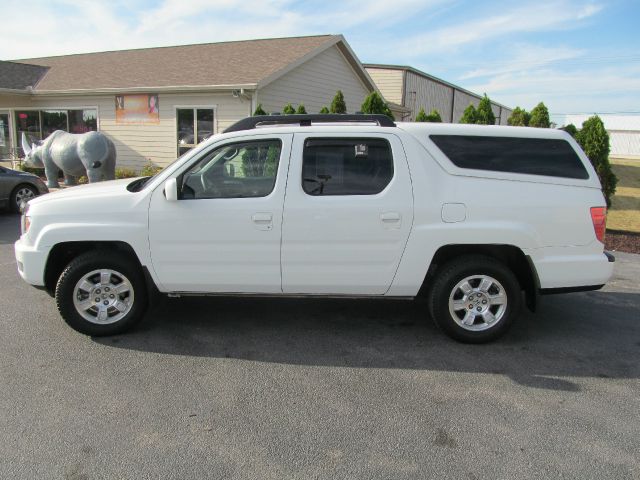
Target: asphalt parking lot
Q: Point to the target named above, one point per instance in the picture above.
(279, 389)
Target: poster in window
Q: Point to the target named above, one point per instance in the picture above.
(141, 109)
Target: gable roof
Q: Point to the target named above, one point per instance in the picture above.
(247, 63)
(20, 76)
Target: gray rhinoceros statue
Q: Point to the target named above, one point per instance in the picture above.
(91, 154)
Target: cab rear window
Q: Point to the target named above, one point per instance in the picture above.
(532, 156)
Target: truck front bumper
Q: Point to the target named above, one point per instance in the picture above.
(31, 263)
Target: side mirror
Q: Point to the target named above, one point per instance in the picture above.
(171, 190)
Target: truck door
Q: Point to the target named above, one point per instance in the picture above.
(223, 233)
(347, 215)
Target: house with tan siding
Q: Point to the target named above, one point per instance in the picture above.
(413, 90)
(157, 103)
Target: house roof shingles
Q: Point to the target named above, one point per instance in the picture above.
(19, 76)
(211, 64)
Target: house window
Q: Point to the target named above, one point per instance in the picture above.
(195, 125)
(39, 124)
(29, 124)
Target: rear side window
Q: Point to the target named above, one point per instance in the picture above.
(346, 166)
(533, 156)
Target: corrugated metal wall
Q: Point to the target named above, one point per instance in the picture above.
(419, 91)
(624, 144)
(422, 93)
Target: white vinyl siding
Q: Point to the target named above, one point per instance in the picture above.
(389, 82)
(137, 144)
(314, 83)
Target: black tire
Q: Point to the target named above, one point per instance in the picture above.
(448, 277)
(97, 260)
(13, 199)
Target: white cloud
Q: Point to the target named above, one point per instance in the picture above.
(607, 89)
(530, 17)
(67, 26)
(525, 57)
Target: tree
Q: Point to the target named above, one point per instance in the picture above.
(288, 109)
(518, 118)
(570, 129)
(470, 115)
(434, 117)
(259, 110)
(301, 110)
(324, 110)
(540, 116)
(338, 105)
(374, 103)
(484, 113)
(594, 140)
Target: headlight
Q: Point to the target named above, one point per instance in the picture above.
(25, 222)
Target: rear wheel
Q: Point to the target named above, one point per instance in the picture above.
(475, 299)
(22, 194)
(100, 293)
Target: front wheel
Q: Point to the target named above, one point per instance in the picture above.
(475, 299)
(101, 293)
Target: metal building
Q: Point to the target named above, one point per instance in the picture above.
(414, 90)
(624, 133)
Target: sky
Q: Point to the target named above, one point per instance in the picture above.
(575, 56)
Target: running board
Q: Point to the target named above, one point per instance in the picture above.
(284, 295)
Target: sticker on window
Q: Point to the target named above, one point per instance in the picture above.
(362, 150)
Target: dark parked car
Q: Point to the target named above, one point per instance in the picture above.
(17, 187)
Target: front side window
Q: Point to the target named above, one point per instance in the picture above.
(237, 170)
(346, 166)
(532, 156)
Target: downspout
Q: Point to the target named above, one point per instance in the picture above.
(453, 102)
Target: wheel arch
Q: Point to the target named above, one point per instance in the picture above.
(63, 253)
(513, 257)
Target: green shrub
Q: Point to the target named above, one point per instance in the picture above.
(570, 129)
(35, 170)
(470, 115)
(338, 104)
(434, 117)
(126, 173)
(149, 169)
(301, 110)
(374, 104)
(288, 109)
(519, 118)
(594, 140)
(259, 110)
(324, 110)
(484, 113)
(540, 116)
(422, 116)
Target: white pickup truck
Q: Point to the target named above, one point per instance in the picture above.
(477, 219)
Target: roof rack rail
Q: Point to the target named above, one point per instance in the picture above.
(305, 120)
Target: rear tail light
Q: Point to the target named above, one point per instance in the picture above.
(599, 219)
